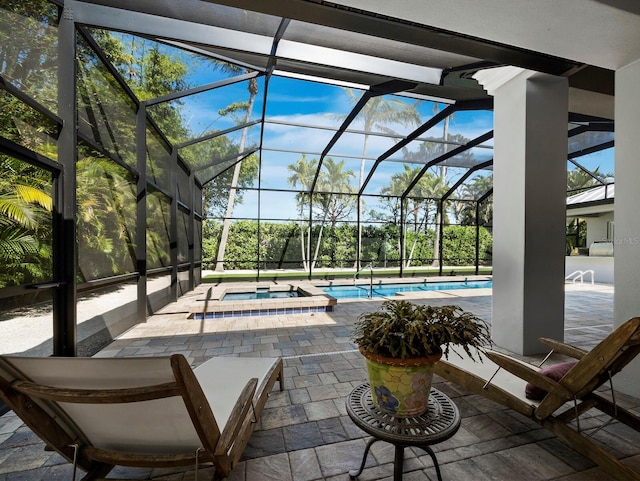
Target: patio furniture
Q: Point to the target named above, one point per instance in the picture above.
(144, 411)
(562, 401)
(439, 423)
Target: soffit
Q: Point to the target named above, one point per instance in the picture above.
(603, 33)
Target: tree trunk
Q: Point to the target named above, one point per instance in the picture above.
(415, 238)
(315, 254)
(305, 264)
(227, 219)
(436, 240)
(443, 174)
(359, 245)
(232, 191)
(324, 220)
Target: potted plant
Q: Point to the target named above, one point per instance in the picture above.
(402, 341)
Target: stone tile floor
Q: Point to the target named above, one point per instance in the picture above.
(305, 433)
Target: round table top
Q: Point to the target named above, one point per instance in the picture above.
(439, 423)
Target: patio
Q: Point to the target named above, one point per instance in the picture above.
(305, 433)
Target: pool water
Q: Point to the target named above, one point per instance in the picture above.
(389, 290)
(259, 294)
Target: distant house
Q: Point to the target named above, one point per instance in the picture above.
(595, 206)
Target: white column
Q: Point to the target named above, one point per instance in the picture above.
(627, 220)
(529, 199)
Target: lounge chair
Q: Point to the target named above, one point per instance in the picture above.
(143, 412)
(561, 402)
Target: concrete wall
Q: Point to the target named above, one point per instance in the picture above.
(602, 268)
(627, 235)
(597, 227)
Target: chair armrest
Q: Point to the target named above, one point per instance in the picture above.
(237, 417)
(562, 348)
(528, 373)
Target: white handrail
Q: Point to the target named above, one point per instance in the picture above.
(580, 275)
(355, 276)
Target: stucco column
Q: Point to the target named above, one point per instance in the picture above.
(627, 221)
(529, 199)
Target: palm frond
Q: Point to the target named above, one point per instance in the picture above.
(30, 194)
(12, 207)
(15, 245)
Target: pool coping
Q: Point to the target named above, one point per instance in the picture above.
(313, 298)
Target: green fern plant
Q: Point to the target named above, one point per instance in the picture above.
(401, 329)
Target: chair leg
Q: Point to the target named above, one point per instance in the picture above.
(589, 449)
(98, 471)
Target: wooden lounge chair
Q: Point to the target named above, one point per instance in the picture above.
(143, 412)
(505, 379)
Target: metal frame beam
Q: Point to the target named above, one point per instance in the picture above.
(443, 157)
(466, 175)
(65, 261)
(433, 121)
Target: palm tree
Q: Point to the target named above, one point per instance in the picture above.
(581, 179)
(253, 91)
(429, 188)
(329, 205)
(397, 187)
(474, 190)
(443, 175)
(380, 112)
(303, 173)
(333, 206)
(333, 179)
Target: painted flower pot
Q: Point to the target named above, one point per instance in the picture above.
(400, 387)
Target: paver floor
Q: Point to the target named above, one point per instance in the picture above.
(305, 433)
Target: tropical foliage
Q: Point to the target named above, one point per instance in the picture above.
(465, 212)
(579, 179)
(25, 223)
(28, 48)
(279, 245)
(381, 113)
(106, 217)
(27, 61)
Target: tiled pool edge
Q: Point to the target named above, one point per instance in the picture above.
(314, 300)
(261, 312)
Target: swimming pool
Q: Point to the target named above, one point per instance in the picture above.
(361, 291)
(259, 294)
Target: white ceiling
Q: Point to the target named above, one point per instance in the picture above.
(587, 31)
(437, 43)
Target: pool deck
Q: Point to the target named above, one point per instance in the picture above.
(305, 433)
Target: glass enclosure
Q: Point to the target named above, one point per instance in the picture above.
(175, 160)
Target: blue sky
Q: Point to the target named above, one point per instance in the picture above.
(320, 104)
(316, 104)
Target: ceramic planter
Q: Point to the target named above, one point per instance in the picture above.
(400, 387)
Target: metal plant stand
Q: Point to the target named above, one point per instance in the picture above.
(439, 423)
